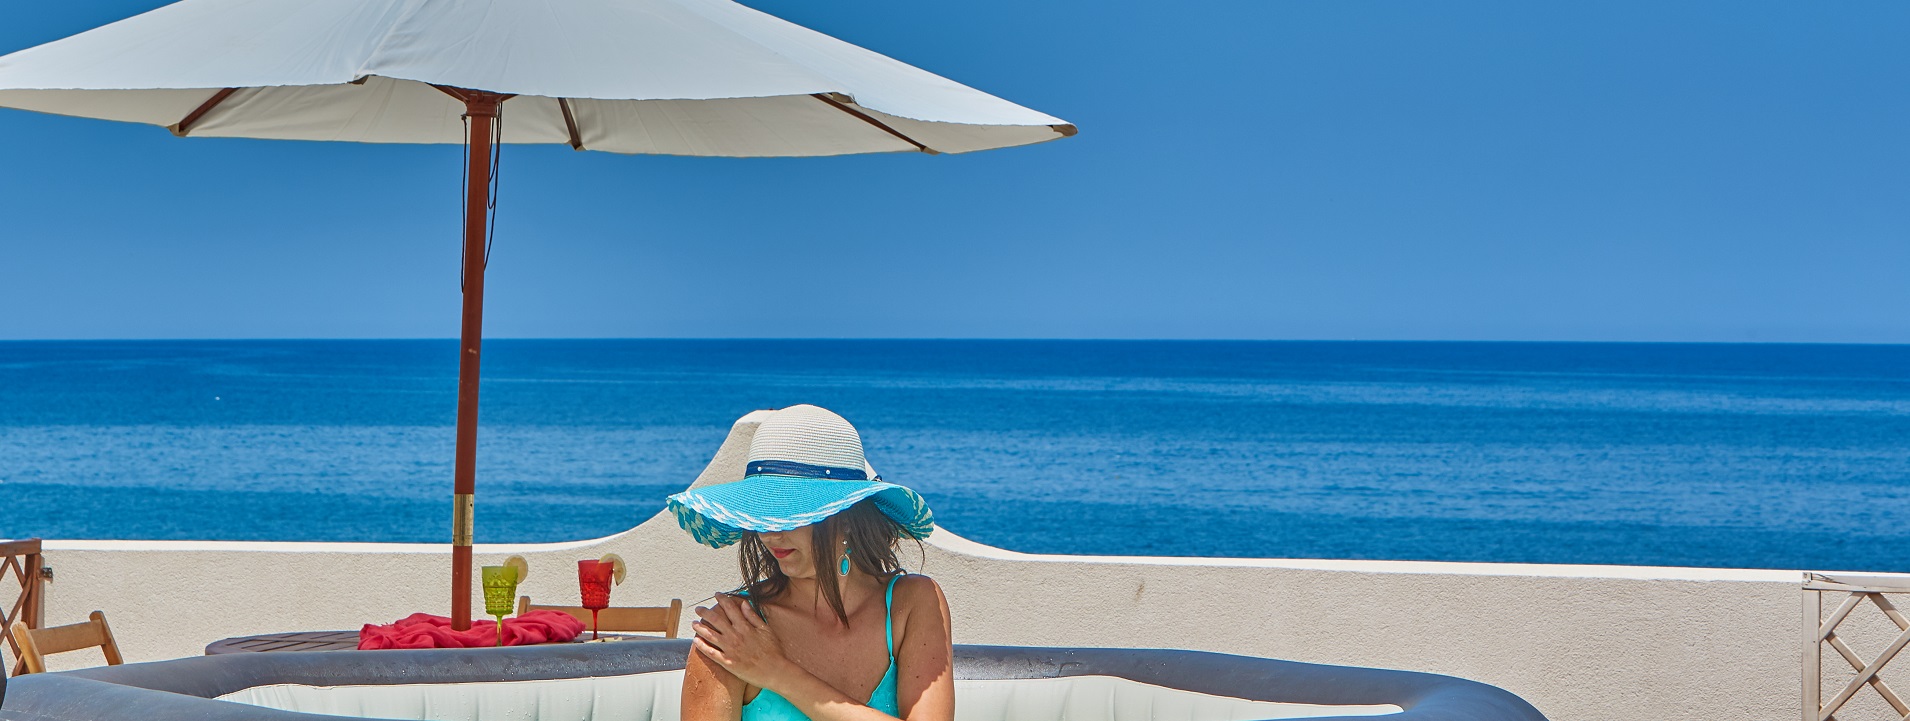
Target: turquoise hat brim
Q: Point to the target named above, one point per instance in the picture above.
(716, 516)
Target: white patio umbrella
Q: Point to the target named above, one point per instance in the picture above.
(675, 77)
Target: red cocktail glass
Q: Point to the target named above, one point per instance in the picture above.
(593, 581)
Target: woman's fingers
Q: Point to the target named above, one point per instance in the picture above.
(733, 612)
(742, 615)
(705, 631)
(714, 617)
(714, 654)
(711, 627)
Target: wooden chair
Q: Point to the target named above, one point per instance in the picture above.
(622, 619)
(37, 644)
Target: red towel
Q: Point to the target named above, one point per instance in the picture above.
(423, 630)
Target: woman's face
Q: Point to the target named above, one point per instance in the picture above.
(794, 550)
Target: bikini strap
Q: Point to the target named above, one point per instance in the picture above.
(888, 615)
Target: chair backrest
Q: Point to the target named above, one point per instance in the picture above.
(633, 619)
(37, 643)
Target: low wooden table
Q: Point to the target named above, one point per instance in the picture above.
(295, 641)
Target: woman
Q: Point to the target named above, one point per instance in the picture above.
(827, 627)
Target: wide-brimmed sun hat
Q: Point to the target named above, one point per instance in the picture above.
(805, 465)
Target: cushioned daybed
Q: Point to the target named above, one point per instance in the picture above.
(639, 681)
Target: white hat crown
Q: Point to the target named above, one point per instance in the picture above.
(810, 435)
(805, 465)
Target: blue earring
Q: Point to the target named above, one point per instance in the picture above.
(844, 568)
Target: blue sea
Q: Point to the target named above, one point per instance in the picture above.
(1763, 456)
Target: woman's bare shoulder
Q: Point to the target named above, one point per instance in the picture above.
(916, 591)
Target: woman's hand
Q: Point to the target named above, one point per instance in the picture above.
(732, 635)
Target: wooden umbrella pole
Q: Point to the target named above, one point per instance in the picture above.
(481, 108)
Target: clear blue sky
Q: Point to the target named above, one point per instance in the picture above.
(1662, 171)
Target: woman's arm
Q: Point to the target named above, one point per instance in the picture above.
(742, 645)
(710, 692)
(925, 678)
(924, 654)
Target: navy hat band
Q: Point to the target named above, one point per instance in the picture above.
(805, 470)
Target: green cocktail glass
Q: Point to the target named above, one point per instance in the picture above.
(500, 594)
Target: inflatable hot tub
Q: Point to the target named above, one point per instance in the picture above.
(640, 681)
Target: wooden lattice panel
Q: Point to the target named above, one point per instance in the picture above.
(21, 562)
(1852, 594)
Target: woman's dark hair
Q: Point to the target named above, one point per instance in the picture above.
(873, 538)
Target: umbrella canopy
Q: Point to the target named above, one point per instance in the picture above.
(676, 77)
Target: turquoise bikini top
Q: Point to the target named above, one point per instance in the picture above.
(771, 706)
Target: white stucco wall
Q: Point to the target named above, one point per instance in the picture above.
(1582, 643)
